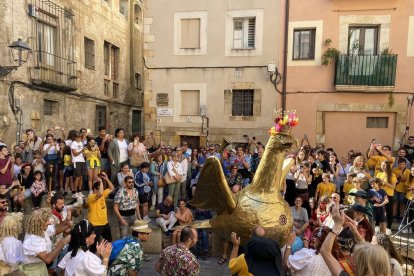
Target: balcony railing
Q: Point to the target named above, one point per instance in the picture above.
(369, 70)
(53, 71)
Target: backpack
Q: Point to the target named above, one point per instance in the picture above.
(117, 246)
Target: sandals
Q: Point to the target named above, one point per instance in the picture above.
(222, 261)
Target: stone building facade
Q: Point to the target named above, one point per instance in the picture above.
(367, 93)
(206, 74)
(84, 69)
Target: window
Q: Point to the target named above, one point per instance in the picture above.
(114, 62)
(363, 40)
(244, 30)
(46, 42)
(50, 108)
(136, 121)
(138, 81)
(377, 122)
(190, 103)
(304, 44)
(137, 14)
(89, 53)
(107, 48)
(115, 92)
(111, 65)
(123, 7)
(106, 87)
(242, 104)
(100, 116)
(190, 33)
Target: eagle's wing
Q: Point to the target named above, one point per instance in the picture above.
(213, 192)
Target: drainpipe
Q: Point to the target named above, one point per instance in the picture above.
(207, 126)
(285, 55)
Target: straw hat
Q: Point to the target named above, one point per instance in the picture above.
(141, 226)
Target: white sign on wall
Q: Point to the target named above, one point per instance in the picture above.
(164, 112)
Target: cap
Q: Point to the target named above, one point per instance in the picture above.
(360, 209)
(360, 193)
(141, 226)
(178, 149)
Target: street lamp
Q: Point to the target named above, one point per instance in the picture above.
(20, 53)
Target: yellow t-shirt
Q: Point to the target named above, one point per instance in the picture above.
(409, 195)
(97, 212)
(239, 266)
(347, 188)
(384, 178)
(378, 160)
(400, 187)
(67, 160)
(325, 189)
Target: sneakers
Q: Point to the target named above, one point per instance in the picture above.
(146, 219)
(75, 195)
(377, 229)
(388, 232)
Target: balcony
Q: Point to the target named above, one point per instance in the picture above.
(51, 71)
(365, 73)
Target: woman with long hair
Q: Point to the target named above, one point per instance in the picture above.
(395, 259)
(32, 143)
(389, 180)
(11, 253)
(125, 171)
(303, 179)
(338, 172)
(93, 160)
(79, 260)
(37, 247)
(358, 167)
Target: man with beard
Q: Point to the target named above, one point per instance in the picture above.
(4, 207)
(59, 223)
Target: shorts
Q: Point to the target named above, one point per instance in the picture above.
(144, 198)
(379, 214)
(398, 196)
(67, 171)
(80, 169)
(88, 166)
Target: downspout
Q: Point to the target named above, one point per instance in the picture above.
(285, 55)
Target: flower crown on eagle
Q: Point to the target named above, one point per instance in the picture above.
(284, 121)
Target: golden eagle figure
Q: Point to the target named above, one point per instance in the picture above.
(260, 203)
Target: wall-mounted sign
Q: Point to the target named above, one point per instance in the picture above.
(163, 112)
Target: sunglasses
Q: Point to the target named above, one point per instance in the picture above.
(3, 201)
(333, 197)
(130, 182)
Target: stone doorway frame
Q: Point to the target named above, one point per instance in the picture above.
(400, 111)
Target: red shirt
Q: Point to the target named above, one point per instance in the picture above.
(7, 177)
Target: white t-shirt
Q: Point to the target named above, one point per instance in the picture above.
(83, 264)
(123, 151)
(11, 251)
(51, 150)
(33, 245)
(77, 146)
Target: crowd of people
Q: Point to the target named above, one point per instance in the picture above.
(340, 206)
